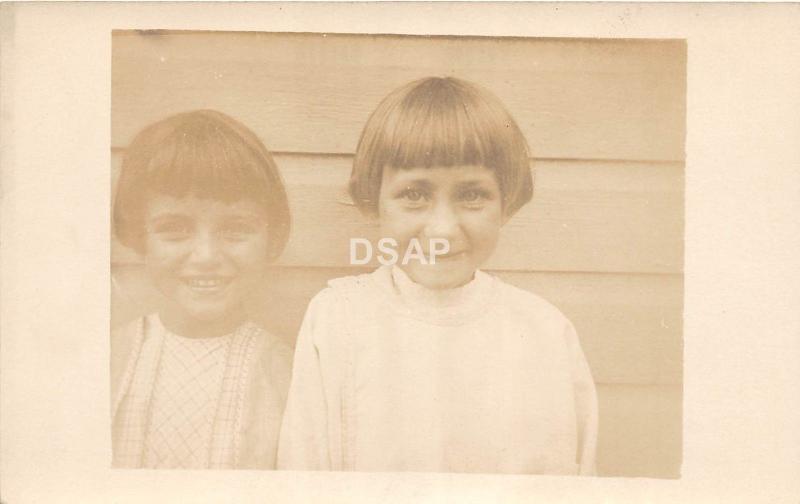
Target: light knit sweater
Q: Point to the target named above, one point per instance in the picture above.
(391, 376)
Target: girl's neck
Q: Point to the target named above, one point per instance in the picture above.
(186, 326)
(416, 294)
(450, 307)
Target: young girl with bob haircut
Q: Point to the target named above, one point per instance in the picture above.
(196, 384)
(439, 367)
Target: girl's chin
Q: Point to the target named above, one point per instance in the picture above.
(444, 285)
(440, 279)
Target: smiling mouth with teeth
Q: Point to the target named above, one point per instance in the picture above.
(206, 284)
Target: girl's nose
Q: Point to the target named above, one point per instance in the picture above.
(205, 249)
(442, 221)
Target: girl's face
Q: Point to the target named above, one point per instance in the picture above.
(204, 256)
(461, 204)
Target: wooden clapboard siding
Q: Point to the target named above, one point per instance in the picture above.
(629, 325)
(312, 93)
(585, 216)
(602, 240)
(641, 430)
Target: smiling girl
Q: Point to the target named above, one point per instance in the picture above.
(197, 385)
(439, 367)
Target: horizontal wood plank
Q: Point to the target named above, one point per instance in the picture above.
(630, 326)
(312, 93)
(641, 431)
(585, 216)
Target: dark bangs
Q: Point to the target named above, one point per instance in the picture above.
(441, 122)
(207, 160)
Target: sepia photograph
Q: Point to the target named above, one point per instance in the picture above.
(397, 253)
(428, 252)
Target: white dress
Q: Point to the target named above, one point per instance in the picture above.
(390, 376)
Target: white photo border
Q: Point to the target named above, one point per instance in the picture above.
(742, 285)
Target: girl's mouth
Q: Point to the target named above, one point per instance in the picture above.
(206, 285)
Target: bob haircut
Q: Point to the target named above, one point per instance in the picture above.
(441, 122)
(203, 153)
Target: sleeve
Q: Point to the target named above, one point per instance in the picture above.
(585, 405)
(303, 442)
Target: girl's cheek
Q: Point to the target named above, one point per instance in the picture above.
(401, 228)
(155, 257)
(390, 218)
(252, 257)
(166, 250)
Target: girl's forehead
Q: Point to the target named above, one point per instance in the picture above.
(192, 206)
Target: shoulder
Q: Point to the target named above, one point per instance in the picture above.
(130, 328)
(126, 342)
(534, 315)
(355, 285)
(339, 310)
(528, 306)
(125, 338)
(352, 289)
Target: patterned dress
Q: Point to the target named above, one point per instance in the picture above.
(188, 403)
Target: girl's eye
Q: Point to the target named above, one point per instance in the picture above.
(173, 231)
(238, 231)
(413, 197)
(474, 196)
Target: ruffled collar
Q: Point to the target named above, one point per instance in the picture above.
(441, 307)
